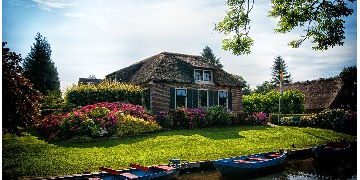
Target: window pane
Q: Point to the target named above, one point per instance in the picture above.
(180, 101)
(198, 75)
(181, 92)
(207, 75)
(202, 98)
(222, 102)
(223, 94)
(180, 97)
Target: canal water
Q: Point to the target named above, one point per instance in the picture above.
(293, 169)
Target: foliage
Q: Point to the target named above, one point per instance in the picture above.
(31, 156)
(335, 119)
(235, 26)
(39, 67)
(294, 117)
(183, 118)
(20, 100)
(265, 87)
(278, 70)
(96, 120)
(106, 91)
(292, 101)
(217, 116)
(321, 20)
(130, 125)
(52, 102)
(209, 55)
(246, 89)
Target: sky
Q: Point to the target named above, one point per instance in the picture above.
(91, 37)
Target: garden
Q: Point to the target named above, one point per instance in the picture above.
(45, 134)
(78, 137)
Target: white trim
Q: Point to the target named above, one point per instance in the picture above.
(227, 98)
(185, 97)
(207, 97)
(203, 78)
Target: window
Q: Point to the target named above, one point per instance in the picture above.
(198, 75)
(203, 75)
(223, 98)
(203, 98)
(207, 76)
(180, 100)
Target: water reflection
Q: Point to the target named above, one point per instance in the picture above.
(308, 168)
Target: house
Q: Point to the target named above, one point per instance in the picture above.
(330, 93)
(89, 81)
(175, 80)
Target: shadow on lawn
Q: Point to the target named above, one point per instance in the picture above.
(211, 133)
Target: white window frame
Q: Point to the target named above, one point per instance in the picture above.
(203, 73)
(185, 97)
(227, 98)
(207, 97)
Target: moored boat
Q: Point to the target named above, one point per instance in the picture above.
(249, 164)
(332, 151)
(142, 172)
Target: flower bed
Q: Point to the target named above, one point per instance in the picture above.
(209, 117)
(98, 120)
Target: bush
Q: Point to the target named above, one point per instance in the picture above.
(80, 95)
(183, 118)
(292, 101)
(97, 120)
(217, 116)
(52, 102)
(336, 119)
(20, 100)
(130, 125)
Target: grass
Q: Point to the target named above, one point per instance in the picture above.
(30, 156)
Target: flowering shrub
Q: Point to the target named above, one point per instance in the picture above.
(183, 118)
(136, 110)
(96, 120)
(217, 116)
(242, 118)
(130, 125)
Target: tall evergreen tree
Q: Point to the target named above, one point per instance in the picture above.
(209, 55)
(279, 67)
(39, 67)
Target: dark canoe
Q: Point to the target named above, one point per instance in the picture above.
(249, 164)
(332, 151)
(140, 172)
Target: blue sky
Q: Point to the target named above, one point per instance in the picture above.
(90, 37)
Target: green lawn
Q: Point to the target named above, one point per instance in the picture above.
(31, 156)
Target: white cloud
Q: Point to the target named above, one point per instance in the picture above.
(53, 4)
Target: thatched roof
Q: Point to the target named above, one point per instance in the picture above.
(320, 93)
(171, 67)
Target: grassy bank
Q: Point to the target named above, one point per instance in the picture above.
(30, 156)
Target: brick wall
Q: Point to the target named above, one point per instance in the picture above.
(160, 94)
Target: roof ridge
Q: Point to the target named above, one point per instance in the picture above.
(179, 54)
(315, 80)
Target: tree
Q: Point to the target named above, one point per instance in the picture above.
(39, 67)
(246, 89)
(265, 87)
(20, 100)
(279, 67)
(209, 56)
(321, 20)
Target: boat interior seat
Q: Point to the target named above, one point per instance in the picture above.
(129, 175)
(163, 167)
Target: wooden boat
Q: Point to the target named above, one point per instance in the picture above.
(332, 151)
(141, 172)
(249, 164)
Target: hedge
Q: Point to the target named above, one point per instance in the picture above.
(273, 118)
(292, 102)
(335, 119)
(81, 95)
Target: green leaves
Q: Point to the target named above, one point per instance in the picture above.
(235, 26)
(322, 21)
